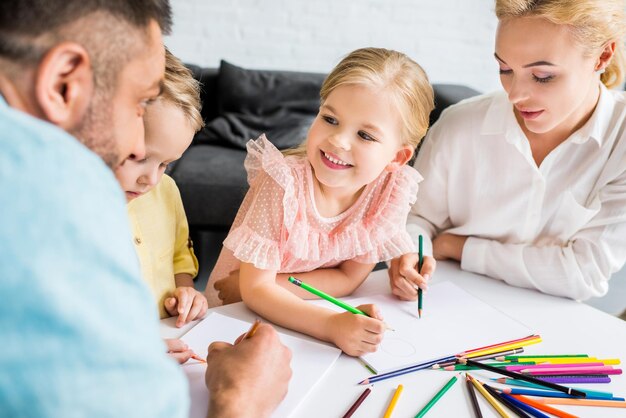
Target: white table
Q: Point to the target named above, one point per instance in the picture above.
(566, 326)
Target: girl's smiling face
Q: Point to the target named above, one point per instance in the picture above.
(356, 135)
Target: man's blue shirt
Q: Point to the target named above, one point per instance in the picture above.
(78, 329)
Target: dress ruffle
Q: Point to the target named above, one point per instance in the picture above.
(378, 235)
(381, 234)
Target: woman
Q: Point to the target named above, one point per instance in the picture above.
(528, 185)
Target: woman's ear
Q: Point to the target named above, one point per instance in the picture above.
(403, 155)
(64, 85)
(605, 56)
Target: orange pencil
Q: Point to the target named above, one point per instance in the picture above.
(582, 402)
(198, 358)
(544, 407)
(251, 331)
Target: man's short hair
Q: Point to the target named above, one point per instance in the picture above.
(29, 28)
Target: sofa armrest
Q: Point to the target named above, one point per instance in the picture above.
(447, 95)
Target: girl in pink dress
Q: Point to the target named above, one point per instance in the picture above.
(333, 208)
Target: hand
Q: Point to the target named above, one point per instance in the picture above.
(178, 350)
(249, 379)
(187, 303)
(228, 288)
(403, 275)
(448, 246)
(357, 334)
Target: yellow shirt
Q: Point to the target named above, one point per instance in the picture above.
(161, 237)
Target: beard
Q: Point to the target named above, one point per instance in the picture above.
(96, 129)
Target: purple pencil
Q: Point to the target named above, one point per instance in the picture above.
(576, 379)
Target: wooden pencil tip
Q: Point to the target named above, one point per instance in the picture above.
(364, 382)
(419, 313)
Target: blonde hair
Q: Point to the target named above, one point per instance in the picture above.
(398, 75)
(594, 23)
(182, 90)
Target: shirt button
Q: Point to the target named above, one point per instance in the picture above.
(137, 240)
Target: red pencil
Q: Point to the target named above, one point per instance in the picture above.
(358, 402)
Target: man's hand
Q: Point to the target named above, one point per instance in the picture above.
(249, 379)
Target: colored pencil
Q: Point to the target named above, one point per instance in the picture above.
(494, 355)
(544, 407)
(492, 401)
(472, 393)
(393, 402)
(437, 396)
(464, 367)
(329, 298)
(524, 407)
(533, 339)
(582, 402)
(252, 329)
(358, 402)
(405, 370)
(520, 413)
(573, 370)
(552, 394)
(419, 270)
(523, 366)
(582, 378)
(515, 382)
(527, 356)
(527, 378)
(198, 358)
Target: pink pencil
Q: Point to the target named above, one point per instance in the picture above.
(574, 370)
(551, 366)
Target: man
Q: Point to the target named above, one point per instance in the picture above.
(79, 334)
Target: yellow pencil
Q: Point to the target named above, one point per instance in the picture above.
(496, 405)
(504, 347)
(393, 402)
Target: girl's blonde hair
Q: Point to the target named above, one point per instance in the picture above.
(394, 73)
(182, 90)
(594, 23)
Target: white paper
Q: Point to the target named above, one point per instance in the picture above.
(309, 363)
(452, 321)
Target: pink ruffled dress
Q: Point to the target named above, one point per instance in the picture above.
(279, 228)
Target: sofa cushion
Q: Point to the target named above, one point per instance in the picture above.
(281, 104)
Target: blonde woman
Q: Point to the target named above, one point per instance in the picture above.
(528, 185)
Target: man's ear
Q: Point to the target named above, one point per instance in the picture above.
(64, 84)
(403, 155)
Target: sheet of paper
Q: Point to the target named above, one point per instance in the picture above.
(452, 321)
(310, 362)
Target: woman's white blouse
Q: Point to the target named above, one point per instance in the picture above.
(559, 227)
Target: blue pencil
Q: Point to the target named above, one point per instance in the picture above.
(410, 369)
(524, 407)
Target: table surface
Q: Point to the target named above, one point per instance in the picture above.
(565, 326)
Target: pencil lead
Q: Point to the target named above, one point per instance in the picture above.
(419, 312)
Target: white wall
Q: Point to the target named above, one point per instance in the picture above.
(451, 39)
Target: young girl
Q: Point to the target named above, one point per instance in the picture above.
(160, 230)
(337, 206)
(545, 207)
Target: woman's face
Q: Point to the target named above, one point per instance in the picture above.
(550, 81)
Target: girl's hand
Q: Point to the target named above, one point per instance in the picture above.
(355, 334)
(187, 303)
(228, 288)
(178, 350)
(404, 277)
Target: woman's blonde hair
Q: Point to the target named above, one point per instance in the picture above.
(594, 23)
(396, 74)
(182, 90)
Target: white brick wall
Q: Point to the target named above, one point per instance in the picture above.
(451, 39)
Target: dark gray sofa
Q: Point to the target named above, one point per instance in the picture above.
(239, 104)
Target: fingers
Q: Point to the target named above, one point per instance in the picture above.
(178, 350)
(170, 306)
(198, 307)
(218, 346)
(184, 305)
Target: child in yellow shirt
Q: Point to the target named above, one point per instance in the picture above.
(159, 225)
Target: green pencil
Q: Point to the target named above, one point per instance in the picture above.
(435, 398)
(329, 298)
(419, 268)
